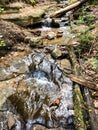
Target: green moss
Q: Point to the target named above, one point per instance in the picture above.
(78, 109)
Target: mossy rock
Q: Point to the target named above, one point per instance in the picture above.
(36, 41)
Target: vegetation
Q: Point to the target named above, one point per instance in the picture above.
(33, 2)
(93, 62)
(2, 43)
(94, 2)
(85, 17)
(85, 42)
(1, 10)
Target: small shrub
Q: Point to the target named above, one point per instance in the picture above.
(80, 20)
(85, 42)
(89, 18)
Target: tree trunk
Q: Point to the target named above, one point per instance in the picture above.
(66, 9)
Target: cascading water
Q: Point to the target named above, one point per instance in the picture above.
(43, 96)
(50, 85)
(46, 24)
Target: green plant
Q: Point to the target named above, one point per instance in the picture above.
(94, 62)
(33, 2)
(80, 19)
(89, 18)
(2, 43)
(96, 38)
(95, 2)
(1, 10)
(96, 56)
(85, 42)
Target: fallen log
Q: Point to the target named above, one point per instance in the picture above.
(83, 82)
(66, 9)
(90, 106)
(87, 113)
(80, 123)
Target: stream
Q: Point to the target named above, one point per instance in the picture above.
(43, 96)
(40, 95)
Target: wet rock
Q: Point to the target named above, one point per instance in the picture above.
(64, 22)
(55, 23)
(59, 33)
(31, 95)
(70, 120)
(51, 35)
(56, 53)
(11, 121)
(3, 121)
(36, 41)
(12, 69)
(40, 127)
(64, 19)
(66, 66)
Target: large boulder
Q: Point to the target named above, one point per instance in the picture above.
(25, 16)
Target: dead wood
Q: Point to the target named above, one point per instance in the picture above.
(76, 78)
(90, 106)
(66, 9)
(78, 98)
(83, 82)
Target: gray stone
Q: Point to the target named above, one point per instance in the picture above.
(12, 69)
